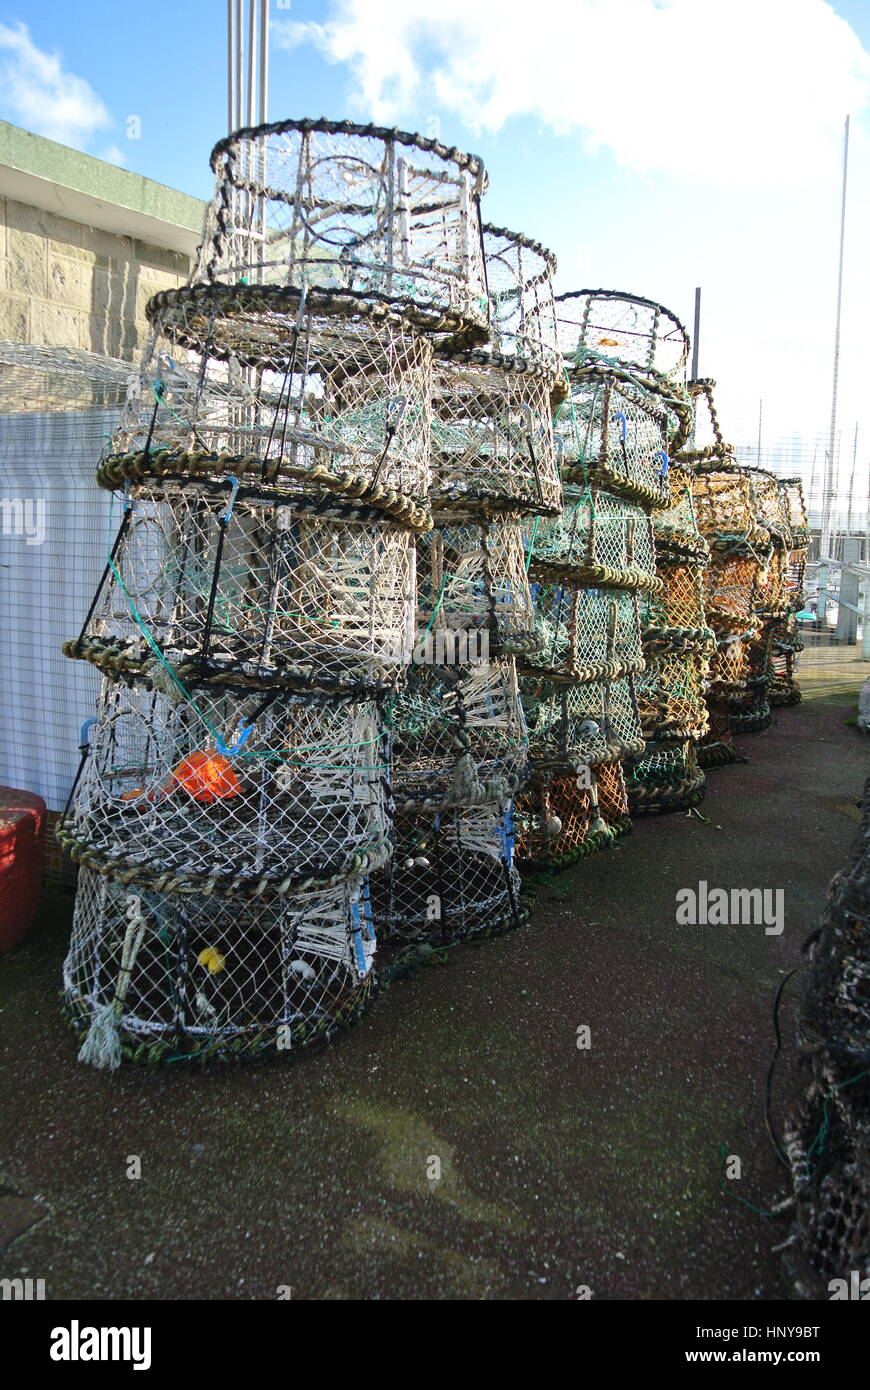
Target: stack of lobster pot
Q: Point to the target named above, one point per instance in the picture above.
(750, 710)
(593, 566)
(678, 646)
(256, 614)
(726, 511)
(460, 742)
(786, 642)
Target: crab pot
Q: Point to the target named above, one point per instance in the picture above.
(670, 695)
(608, 327)
(382, 214)
(202, 976)
(586, 634)
(581, 725)
(678, 607)
(471, 579)
(665, 778)
(231, 792)
(677, 535)
(771, 507)
(615, 432)
(492, 437)
(730, 585)
(730, 663)
(793, 579)
(795, 512)
(724, 503)
(458, 732)
(562, 816)
(770, 590)
(717, 747)
(598, 540)
(274, 387)
(749, 712)
(249, 587)
(519, 276)
(452, 878)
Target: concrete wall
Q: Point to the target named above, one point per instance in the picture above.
(68, 285)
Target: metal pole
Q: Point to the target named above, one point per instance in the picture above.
(231, 63)
(827, 499)
(237, 116)
(252, 44)
(852, 482)
(262, 116)
(696, 333)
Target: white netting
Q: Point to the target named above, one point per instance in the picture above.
(610, 327)
(519, 276)
(598, 539)
(230, 583)
(584, 724)
(202, 975)
(492, 437)
(452, 877)
(616, 430)
(230, 792)
(459, 734)
(280, 389)
(795, 511)
(376, 212)
(471, 577)
(586, 632)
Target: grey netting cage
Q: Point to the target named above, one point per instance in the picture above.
(624, 330)
(666, 777)
(616, 431)
(382, 214)
(597, 540)
(471, 577)
(585, 633)
(572, 726)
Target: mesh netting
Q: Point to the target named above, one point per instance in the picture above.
(598, 539)
(585, 633)
(770, 595)
(670, 695)
(458, 735)
(561, 818)
(828, 1143)
(665, 778)
(729, 666)
(471, 577)
(717, 746)
(273, 387)
(771, 507)
(572, 726)
(203, 976)
(338, 206)
(231, 793)
(451, 878)
(231, 584)
(793, 579)
(725, 509)
(615, 431)
(610, 327)
(492, 437)
(676, 612)
(795, 511)
(729, 590)
(676, 528)
(519, 276)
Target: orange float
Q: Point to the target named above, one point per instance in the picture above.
(206, 777)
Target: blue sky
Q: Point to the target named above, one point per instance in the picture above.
(653, 144)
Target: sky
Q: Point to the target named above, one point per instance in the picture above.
(655, 145)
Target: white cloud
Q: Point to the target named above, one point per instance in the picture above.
(38, 94)
(738, 93)
(113, 154)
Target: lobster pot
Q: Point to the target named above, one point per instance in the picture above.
(724, 504)
(795, 511)
(729, 590)
(605, 326)
(784, 688)
(334, 206)
(458, 733)
(771, 507)
(770, 595)
(749, 711)
(676, 530)
(204, 976)
(492, 437)
(670, 695)
(231, 792)
(576, 726)
(276, 387)
(260, 590)
(471, 579)
(586, 634)
(598, 540)
(519, 276)
(677, 609)
(793, 579)
(666, 778)
(717, 748)
(563, 817)
(730, 662)
(614, 431)
(452, 878)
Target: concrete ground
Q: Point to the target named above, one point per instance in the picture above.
(560, 1167)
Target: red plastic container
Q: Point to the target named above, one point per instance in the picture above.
(22, 856)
